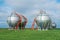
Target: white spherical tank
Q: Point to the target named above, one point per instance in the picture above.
(43, 21)
(14, 19)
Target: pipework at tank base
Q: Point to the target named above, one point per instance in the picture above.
(42, 28)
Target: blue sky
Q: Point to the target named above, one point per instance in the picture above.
(29, 8)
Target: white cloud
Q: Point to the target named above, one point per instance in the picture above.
(34, 5)
(4, 13)
(2, 22)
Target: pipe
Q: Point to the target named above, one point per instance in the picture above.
(19, 20)
(24, 22)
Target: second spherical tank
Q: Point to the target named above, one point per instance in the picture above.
(43, 21)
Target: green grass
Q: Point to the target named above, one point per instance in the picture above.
(29, 34)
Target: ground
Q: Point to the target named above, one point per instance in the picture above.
(6, 34)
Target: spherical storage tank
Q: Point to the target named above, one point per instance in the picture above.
(43, 21)
(16, 21)
(53, 25)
